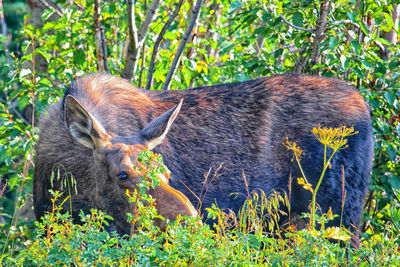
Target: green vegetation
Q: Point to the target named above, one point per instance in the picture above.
(232, 41)
(236, 240)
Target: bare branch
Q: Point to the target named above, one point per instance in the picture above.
(299, 66)
(81, 8)
(104, 46)
(158, 43)
(213, 19)
(49, 6)
(150, 15)
(296, 27)
(4, 32)
(345, 21)
(319, 33)
(19, 115)
(101, 46)
(182, 44)
(142, 66)
(136, 39)
(127, 73)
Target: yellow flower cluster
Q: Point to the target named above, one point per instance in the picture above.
(306, 185)
(297, 151)
(334, 138)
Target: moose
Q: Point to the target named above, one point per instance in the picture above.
(103, 122)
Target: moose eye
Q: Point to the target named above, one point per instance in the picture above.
(122, 176)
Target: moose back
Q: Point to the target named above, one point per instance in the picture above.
(241, 125)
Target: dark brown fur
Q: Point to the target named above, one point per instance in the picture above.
(241, 125)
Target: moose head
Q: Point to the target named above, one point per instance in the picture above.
(119, 154)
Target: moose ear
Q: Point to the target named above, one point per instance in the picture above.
(155, 132)
(82, 125)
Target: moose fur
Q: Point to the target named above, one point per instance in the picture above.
(241, 125)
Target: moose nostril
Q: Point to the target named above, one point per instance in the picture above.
(122, 176)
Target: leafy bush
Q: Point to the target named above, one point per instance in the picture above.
(232, 41)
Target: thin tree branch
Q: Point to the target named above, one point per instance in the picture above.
(81, 8)
(182, 44)
(214, 19)
(345, 21)
(136, 38)
(296, 27)
(101, 46)
(104, 47)
(319, 33)
(150, 15)
(49, 6)
(299, 66)
(142, 66)
(132, 44)
(158, 43)
(4, 32)
(19, 115)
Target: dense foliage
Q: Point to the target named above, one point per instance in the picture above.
(231, 41)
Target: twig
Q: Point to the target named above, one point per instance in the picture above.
(296, 27)
(136, 38)
(345, 21)
(4, 32)
(299, 66)
(150, 15)
(142, 66)
(3, 186)
(319, 34)
(206, 184)
(104, 47)
(81, 8)
(213, 19)
(182, 44)
(158, 43)
(55, 10)
(101, 47)
(367, 207)
(19, 115)
(132, 43)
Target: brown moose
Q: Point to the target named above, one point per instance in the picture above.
(95, 133)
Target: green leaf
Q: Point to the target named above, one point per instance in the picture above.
(333, 43)
(46, 14)
(390, 96)
(297, 19)
(356, 46)
(392, 153)
(389, 20)
(364, 28)
(278, 52)
(395, 181)
(367, 64)
(359, 73)
(47, 56)
(235, 5)
(79, 57)
(350, 16)
(259, 30)
(12, 182)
